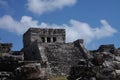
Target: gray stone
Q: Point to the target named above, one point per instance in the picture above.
(59, 55)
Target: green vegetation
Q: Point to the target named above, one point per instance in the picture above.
(59, 78)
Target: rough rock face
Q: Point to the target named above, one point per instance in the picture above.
(61, 57)
(31, 71)
(5, 47)
(105, 65)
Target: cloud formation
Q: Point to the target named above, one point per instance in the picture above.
(42, 6)
(8, 23)
(77, 30)
(74, 30)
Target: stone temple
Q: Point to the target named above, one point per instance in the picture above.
(46, 55)
(48, 45)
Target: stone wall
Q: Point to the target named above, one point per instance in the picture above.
(106, 48)
(60, 57)
(44, 36)
(5, 47)
(32, 52)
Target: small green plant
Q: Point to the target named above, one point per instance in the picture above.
(59, 78)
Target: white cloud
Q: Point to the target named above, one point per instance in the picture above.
(42, 6)
(7, 22)
(10, 24)
(74, 30)
(28, 22)
(78, 29)
(105, 30)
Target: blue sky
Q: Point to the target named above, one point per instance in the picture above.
(95, 21)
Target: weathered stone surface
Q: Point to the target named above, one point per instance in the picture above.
(5, 47)
(107, 48)
(31, 71)
(43, 36)
(59, 55)
(105, 65)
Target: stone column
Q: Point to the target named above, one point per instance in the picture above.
(51, 39)
(45, 39)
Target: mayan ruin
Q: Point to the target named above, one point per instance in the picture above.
(46, 56)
